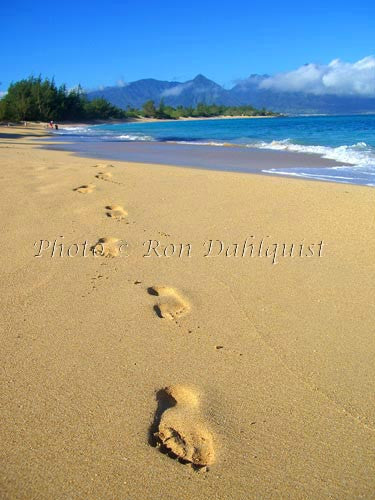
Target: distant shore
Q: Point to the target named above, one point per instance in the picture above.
(193, 118)
(154, 120)
(135, 120)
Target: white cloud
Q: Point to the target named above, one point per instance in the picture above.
(121, 83)
(2, 94)
(337, 77)
(176, 91)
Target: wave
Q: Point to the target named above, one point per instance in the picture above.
(328, 174)
(360, 154)
(92, 133)
(358, 159)
(81, 129)
(134, 137)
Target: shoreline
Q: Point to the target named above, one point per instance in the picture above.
(228, 157)
(240, 158)
(86, 351)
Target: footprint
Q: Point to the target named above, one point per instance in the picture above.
(179, 429)
(107, 176)
(116, 211)
(175, 307)
(104, 176)
(107, 247)
(103, 165)
(86, 188)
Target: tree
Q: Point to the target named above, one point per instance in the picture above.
(161, 111)
(149, 110)
(102, 109)
(35, 99)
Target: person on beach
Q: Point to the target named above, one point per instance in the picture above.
(56, 126)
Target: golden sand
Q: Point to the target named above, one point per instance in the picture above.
(258, 375)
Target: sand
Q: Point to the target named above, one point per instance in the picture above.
(258, 375)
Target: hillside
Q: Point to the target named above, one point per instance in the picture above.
(248, 91)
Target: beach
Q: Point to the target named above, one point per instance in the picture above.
(233, 310)
(229, 157)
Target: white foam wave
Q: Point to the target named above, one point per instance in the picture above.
(93, 133)
(81, 129)
(327, 178)
(134, 137)
(356, 154)
(308, 175)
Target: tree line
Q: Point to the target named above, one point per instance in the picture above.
(149, 110)
(37, 99)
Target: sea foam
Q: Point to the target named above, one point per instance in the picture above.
(355, 154)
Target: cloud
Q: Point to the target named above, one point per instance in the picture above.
(2, 94)
(177, 90)
(337, 77)
(121, 83)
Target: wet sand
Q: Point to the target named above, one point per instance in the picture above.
(231, 159)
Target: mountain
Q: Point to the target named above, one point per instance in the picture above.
(189, 93)
(248, 91)
(134, 94)
(200, 89)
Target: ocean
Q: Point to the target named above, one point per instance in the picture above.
(348, 140)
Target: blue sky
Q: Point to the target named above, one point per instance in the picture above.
(99, 43)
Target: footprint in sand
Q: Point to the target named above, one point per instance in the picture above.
(179, 429)
(174, 307)
(104, 176)
(116, 211)
(103, 165)
(107, 247)
(86, 188)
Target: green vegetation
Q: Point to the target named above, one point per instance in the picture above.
(202, 110)
(34, 99)
(149, 110)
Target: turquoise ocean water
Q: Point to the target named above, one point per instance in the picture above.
(346, 139)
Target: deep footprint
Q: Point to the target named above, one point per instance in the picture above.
(103, 165)
(104, 176)
(107, 247)
(116, 211)
(180, 428)
(86, 188)
(176, 305)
